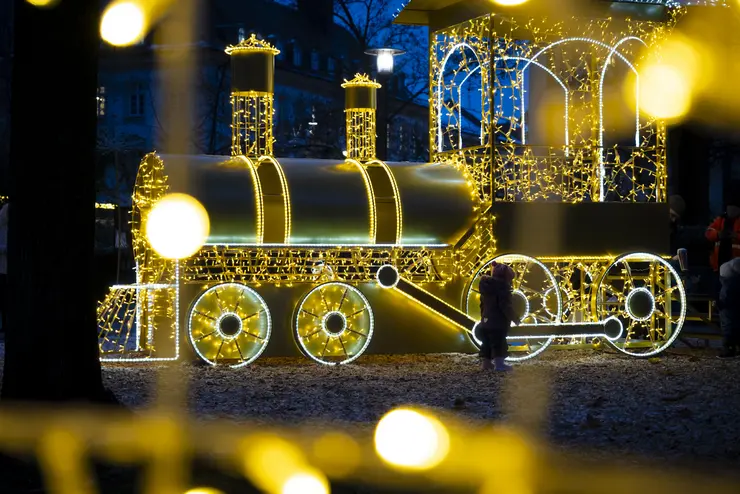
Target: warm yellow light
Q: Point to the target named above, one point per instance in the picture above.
(509, 2)
(204, 490)
(122, 23)
(42, 3)
(664, 91)
(409, 439)
(306, 483)
(177, 226)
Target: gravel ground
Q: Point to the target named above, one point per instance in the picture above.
(681, 409)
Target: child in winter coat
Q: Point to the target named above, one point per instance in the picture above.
(497, 314)
(729, 308)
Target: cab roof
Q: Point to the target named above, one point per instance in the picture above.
(437, 14)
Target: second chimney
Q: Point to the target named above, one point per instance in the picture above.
(360, 103)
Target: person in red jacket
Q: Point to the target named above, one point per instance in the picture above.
(724, 232)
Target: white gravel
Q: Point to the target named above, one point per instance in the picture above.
(684, 407)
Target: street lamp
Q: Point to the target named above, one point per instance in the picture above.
(384, 60)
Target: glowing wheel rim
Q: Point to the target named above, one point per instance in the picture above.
(229, 324)
(334, 324)
(655, 328)
(533, 280)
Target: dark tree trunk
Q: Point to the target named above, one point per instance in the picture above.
(51, 342)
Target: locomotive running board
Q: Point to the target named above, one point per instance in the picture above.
(387, 277)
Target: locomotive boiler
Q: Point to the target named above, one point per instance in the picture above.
(336, 258)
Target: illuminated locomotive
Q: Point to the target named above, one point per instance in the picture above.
(315, 255)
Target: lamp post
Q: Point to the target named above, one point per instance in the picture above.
(384, 60)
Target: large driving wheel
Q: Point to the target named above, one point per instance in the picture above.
(536, 298)
(334, 324)
(229, 324)
(646, 294)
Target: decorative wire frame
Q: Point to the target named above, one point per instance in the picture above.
(251, 124)
(361, 131)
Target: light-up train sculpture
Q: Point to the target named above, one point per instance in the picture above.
(333, 259)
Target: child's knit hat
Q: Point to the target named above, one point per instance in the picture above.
(502, 272)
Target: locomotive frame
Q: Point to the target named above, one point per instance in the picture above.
(325, 291)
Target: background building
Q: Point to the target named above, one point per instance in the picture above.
(316, 55)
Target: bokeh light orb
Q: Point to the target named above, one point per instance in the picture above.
(122, 23)
(305, 483)
(509, 2)
(177, 226)
(664, 91)
(43, 3)
(409, 439)
(204, 490)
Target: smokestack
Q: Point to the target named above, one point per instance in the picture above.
(252, 95)
(360, 104)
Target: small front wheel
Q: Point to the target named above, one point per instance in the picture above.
(334, 324)
(229, 324)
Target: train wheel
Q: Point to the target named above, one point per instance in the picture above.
(646, 294)
(334, 324)
(229, 324)
(536, 297)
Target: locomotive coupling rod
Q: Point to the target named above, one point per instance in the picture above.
(388, 277)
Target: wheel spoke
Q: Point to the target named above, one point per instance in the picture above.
(323, 352)
(250, 316)
(310, 313)
(357, 332)
(358, 312)
(204, 315)
(238, 301)
(205, 336)
(344, 295)
(343, 348)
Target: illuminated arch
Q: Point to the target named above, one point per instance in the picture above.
(613, 51)
(562, 85)
(439, 87)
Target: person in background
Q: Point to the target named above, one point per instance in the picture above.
(729, 308)
(724, 232)
(497, 314)
(4, 266)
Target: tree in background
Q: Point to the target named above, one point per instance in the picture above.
(51, 349)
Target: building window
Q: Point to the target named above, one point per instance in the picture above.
(101, 101)
(242, 34)
(331, 65)
(279, 46)
(297, 59)
(136, 101)
(315, 61)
